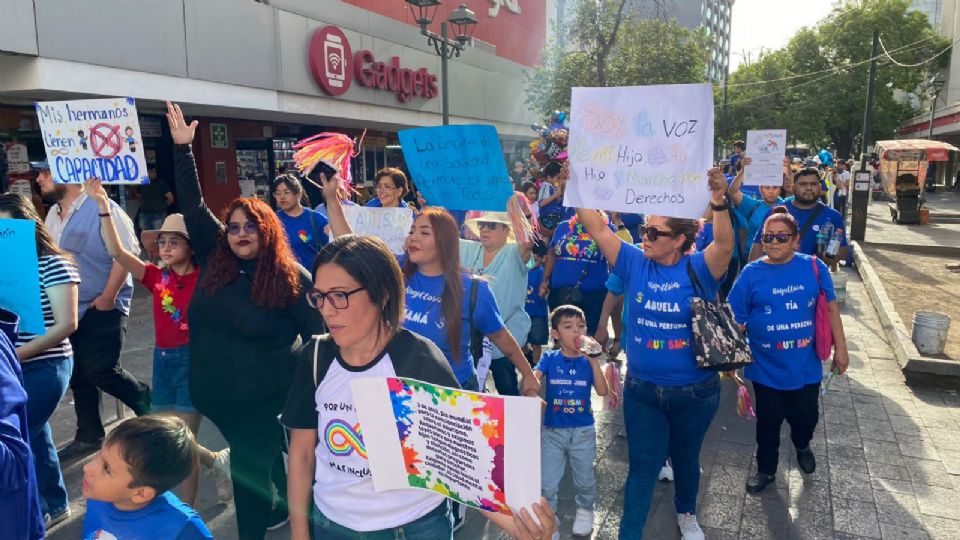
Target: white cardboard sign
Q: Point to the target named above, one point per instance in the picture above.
(766, 149)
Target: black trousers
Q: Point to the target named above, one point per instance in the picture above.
(800, 408)
(256, 438)
(96, 351)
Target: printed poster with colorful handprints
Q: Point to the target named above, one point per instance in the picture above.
(641, 149)
(766, 149)
(93, 138)
(477, 449)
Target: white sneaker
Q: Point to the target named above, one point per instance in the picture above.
(666, 473)
(689, 528)
(221, 475)
(583, 524)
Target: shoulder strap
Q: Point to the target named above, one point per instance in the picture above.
(813, 216)
(752, 212)
(313, 226)
(697, 286)
(474, 282)
(322, 361)
(816, 272)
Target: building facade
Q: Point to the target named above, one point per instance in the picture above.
(260, 75)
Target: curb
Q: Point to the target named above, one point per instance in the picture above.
(942, 251)
(916, 367)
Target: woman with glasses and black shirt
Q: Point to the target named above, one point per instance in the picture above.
(668, 402)
(247, 319)
(775, 298)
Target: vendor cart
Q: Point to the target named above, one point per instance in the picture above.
(903, 170)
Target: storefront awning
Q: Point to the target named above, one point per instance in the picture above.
(914, 150)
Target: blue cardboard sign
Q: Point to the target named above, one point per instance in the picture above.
(20, 273)
(458, 167)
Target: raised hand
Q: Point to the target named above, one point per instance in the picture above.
(93, 187)
(718, 185)
(180, 131)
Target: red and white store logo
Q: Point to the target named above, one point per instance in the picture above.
(334, 67)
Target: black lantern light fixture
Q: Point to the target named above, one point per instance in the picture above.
(463, 20)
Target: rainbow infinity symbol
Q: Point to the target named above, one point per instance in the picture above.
(342, 439)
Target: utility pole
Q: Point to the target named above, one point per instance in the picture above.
(860, 197)
(726, 117)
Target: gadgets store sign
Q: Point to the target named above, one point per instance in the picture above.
(335, 66)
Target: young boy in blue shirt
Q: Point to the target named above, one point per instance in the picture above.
(127, 483)
(536, 308)
(568, 429)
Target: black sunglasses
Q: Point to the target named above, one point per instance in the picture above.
(249, 227)
(780, 237)
(492, 225)
(653, 233)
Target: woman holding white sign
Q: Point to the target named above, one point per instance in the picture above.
(668, 401)
(359, 290)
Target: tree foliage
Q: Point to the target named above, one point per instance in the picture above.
(607, 45)
(825, 104)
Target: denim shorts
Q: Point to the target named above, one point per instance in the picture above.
(435, 525)
(171, 380)
(539, 331)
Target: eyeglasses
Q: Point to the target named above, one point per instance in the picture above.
(381, 187)
(491, 225)
(248, 227)
(338, 299)
(780, 237)
(653, 233)
(173, 243)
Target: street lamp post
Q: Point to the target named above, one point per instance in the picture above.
(936, 85)
(463, 20)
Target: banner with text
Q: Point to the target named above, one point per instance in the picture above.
(766, 149)
(392, 225)
(478, 449)
(641, 149)
(458, 167)
(20, 278)
(93, 138)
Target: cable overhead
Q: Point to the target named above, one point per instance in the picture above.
(918, 64)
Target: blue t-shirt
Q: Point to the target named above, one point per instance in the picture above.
(568, 381)
(808, 238)
(535, 306)
(752, 211)
(705, 237)
(660, 347)
(777, 303)
(633, 222)
(578, 259)
(424, 315)
(375, 203)
(306, 235)
(165, 517)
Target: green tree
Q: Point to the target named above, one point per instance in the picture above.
(605, 45)
(824, 105)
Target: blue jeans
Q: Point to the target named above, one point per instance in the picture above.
(579, 445)
(435, 525)
(171, 380)
(505, 376)
(662, 421)
(46, 383)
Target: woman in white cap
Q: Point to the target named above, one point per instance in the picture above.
(172, 286)
(502, 255)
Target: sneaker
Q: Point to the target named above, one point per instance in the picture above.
(78, 449)
(759, 482)
(221, 475)
(278, 518)
(689, 528)
(459, 516)
(806, 460)
(51, 520)
(666, 472)
(583, 524)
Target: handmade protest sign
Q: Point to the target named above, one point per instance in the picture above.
(392, 225)
(20, 277)
(93, 138)
(641, 149)
(458, 167)
(480, 450)
(766, 149)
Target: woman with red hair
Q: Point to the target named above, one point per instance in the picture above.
(247, 320)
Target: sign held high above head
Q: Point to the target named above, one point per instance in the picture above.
(766, 149)
(93, 138)
(641, 149)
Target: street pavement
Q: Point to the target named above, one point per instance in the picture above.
(888, 459)
(942, 231)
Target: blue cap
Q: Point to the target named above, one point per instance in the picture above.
(39, 166)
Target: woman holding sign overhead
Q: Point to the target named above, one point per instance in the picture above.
(668, 402)
(247, 319)
(359, 290)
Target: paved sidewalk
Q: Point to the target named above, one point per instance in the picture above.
(888, 460)
(943, 229)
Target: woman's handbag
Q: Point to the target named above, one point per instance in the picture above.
(570, 295)
(822, 331)
(718, 342)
